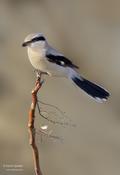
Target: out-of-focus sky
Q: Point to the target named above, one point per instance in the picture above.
(87, 32)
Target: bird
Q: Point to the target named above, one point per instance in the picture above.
(47, 59)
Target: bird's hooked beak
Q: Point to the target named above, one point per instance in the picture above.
(25, 44)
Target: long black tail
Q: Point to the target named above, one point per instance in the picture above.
(95, 91)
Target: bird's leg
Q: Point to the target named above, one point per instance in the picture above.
(39, 73)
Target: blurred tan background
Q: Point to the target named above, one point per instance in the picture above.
(88, 32)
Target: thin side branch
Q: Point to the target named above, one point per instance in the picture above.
(62, 123)
(31, 128)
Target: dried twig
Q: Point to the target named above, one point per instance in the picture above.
(48, 134)
(31, 128)
(63, 123)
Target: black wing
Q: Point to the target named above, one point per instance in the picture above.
(60, 60)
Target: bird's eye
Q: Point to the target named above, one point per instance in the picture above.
(40, 38)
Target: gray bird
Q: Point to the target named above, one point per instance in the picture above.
(46, 59)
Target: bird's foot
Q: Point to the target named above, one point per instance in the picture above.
(39, 75)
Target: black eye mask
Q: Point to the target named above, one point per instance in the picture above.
(39, 38)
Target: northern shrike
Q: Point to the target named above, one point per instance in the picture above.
(46, 59)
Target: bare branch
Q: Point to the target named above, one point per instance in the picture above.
(48, 134)
(31, 128)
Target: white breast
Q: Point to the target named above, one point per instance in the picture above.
(39, 61)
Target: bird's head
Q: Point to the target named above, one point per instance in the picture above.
(34, 40)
